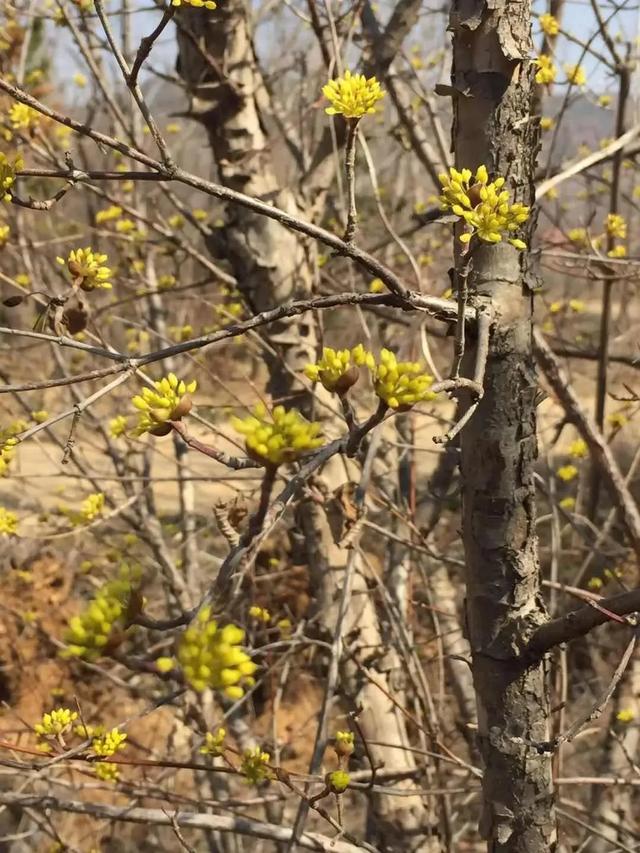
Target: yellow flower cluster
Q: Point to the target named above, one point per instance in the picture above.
(214, 743)
(8, 174)
(547, 71)
(207, 4)
(282, 436)
(8, 522)
(578, 449)
(575, 74)
(108, 214)
(87, 270)
(90, 509)
(118, 426)
(483, 205)
(255, 765)
(55, 723)
(343, 744)
(401, 384)
(89, 634)
(169, 402)
(337, 370)
(212, 657)
(260, 614)
(618, 251)
(5, 230)
(108, 743)
(616, 226)
(23, 117)
(352, 95)
(338, 781)
(549, 24)
(625, 715)
(106, 771)
(567, 473)
(7, 450)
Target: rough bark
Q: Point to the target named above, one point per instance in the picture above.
(492, 89)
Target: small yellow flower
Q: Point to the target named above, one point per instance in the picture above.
(577, 306)
(604, 100)
(207, 4)
(483, 205)
(578, 449)
(255, 765)
(618, 251)
(343, 743)
(166, 282)
(40, 416)
(549, 24)
(214, 743)
(55, 723)
(567, 473)
(376, 285)
(546, 123)
(199, 214)
(617, 420)
(575, 75)
(80, 80)
(595, 584)
(625, 715)
(87, 270)
(547, 71)
(616, 226)
(108, 743)
(283, 436)
(285, 626)
(23, 117)
(401, 384)
(338, 781)
(176, 221)
(568, 503)
(173, 126)
(117, 426)
(260, 614)
(211, 656)
(5, 230)
(578, 236)
(165, 665)
(107, 771)
(91, 507)
(108, 214)
(170, 401)
(104, 619)
(8, 174)
(337, 370)
(8, 522)
(352, 95)
(556, 307)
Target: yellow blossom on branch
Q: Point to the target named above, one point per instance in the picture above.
(5, 230)
(23, 117)
(198, 4)
(616, 226)
(625, 715)
(337, 370)
(483, 205)
(352, 95)
(87, 270)
(338, 781)
(108, 743)
(547, 71)
(108, 214)
(575, 74)
(578, 449)
(105, 619)
(8, 522)
(55, 723)
(260, 614)
(170, 401)
(401, 384)
(8, 174)
(549, 24)
(118, 426)
(546, 123)
(214, 743)
(279, 437)
(618, 251)
(255, 765)
(211, 656)
(107, 771)
(567, 472)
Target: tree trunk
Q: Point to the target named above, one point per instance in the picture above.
(492, 89)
